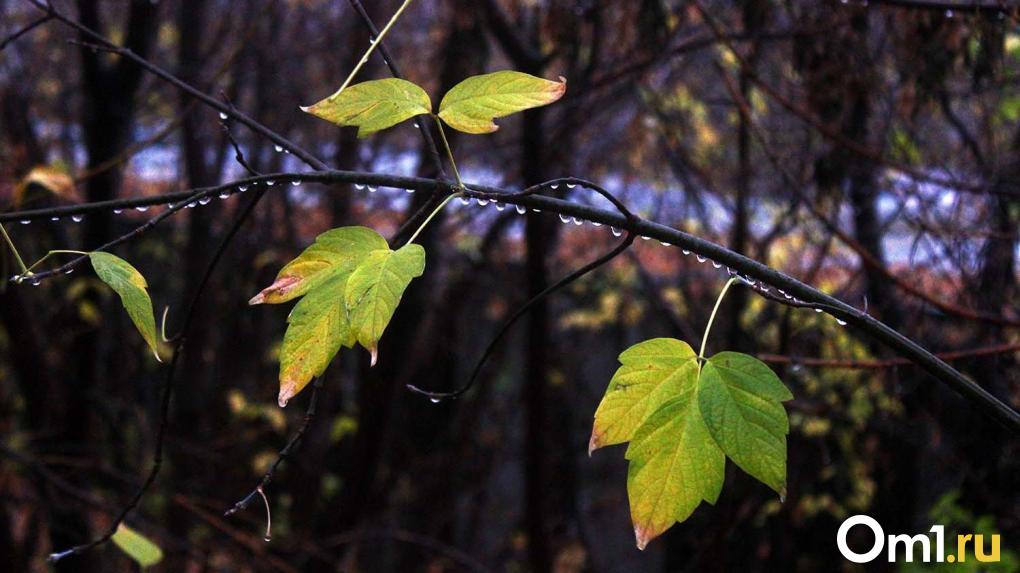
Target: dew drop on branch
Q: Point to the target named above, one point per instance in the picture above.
(204, 200)
(77, 218)
(224, 195)
(25, 222)
(616, 232)
(564, 218)
(521, 209)
(270, 183)
(359, 186)
(278, 148)
(142, 208)
(296, 182)
(223, 116)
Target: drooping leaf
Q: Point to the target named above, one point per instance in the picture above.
(137, 546)
(741, 401)
(674, 464)
(473, 104)
(373, 105)
(335, 252)
(651, 374)
(375, 288)
(53, 178)
(130, 285)
(316, 329)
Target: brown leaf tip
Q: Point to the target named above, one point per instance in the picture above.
(595, 442)
(280, 287)
(287, 391)
(643, 536)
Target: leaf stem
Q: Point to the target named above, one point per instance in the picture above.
(711, 319)
(28, 271)
(434, 212)
(371, 48)
(449, 152)
(14, 249)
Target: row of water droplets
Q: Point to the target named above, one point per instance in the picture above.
(748, 281)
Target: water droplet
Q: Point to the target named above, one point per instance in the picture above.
(521, 209)
(223, 116)
(435, 400)
(716, 265)
(534, 210)
(554, 186)
(665, 244)
(34, 281)
(417, 125)
(409, 190)
(685, 252)
(372, 189)
(644, 238)
(482, 202)
(750, 281)
(701, 259)
(295, 182)
(270, 183)
(359, 186)
(77, 218)
(190, 205)
(54, 218)
(571, 185)
(142, 208)
(26, 222)
(840, 322)
(729, 271)
(465, 200)
(242, 188)
(204, 200)
(267, 538)
(283, 402)
(594, 224)
(578, 221)
(278, 148)
(817, 309)
(224, 195)
(69, 271)
(616, 232)
(499, 206)
(54, 557)
(118, 211)
(949, 14)
(564, 218)
(764, 288)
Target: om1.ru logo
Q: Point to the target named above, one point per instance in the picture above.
(909, 543)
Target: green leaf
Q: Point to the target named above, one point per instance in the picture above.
(374, 105)
(471, 105)
(318, 325)
(741, 401)
(652, 373)
(682, 422)
(375, 288)
(130, 285)
(317, 328)
(335, 252)
(674, 465)
(137, 546)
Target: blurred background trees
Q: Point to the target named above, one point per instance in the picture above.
(870, 149)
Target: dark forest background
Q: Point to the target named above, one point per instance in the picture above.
(870, 149)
